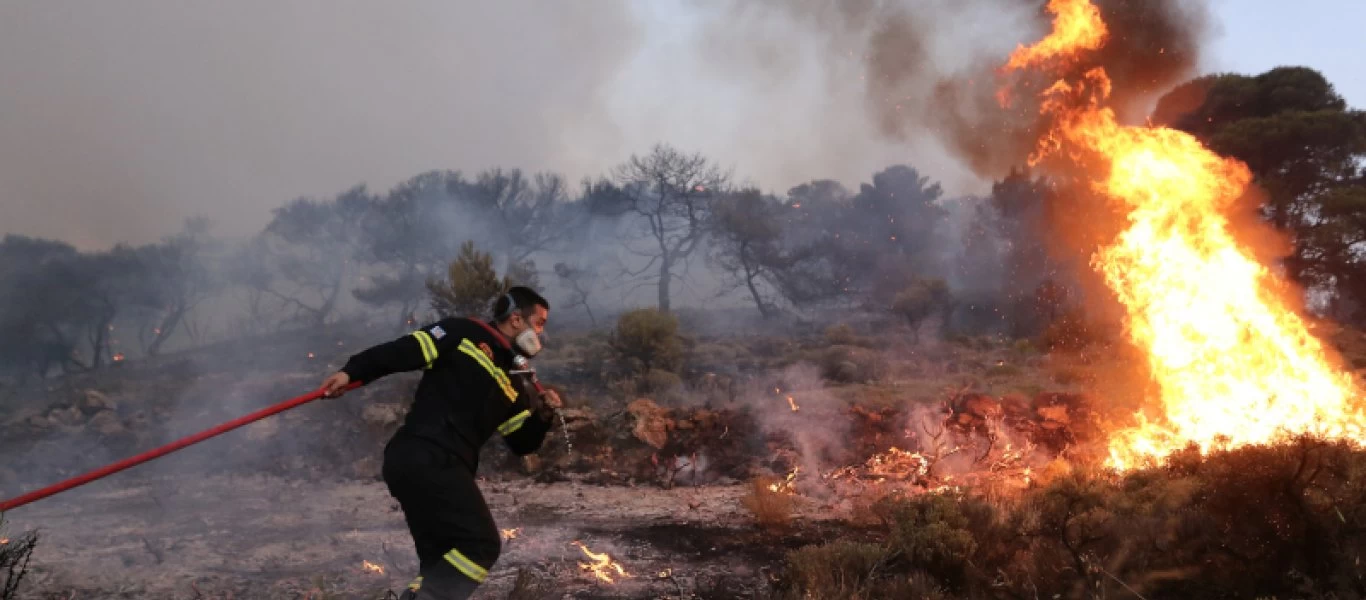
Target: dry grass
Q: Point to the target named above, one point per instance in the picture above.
(772, 510)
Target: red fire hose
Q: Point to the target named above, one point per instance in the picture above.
(162, 451)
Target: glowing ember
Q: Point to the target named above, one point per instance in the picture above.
(786, 486)
(372, 567)
(896, 463)
(4, 541)
(1233, 361)
(118, 357)
(511, 534)
(602, 567)
(310, 355)
(793, 404)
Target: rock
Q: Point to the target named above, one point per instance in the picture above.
(382, 414)
(107, 423)
(652, 423)
(68, 416)
(95, 401)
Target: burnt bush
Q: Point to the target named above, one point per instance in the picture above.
(1287, 520)
(15, 554)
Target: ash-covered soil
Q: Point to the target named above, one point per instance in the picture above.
(273, 537)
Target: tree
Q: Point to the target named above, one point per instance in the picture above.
(408, 239)
(921, 300)
(580, 282)
(175, 278)
(671, 193)
(747, 243)
(1305, 148)
(39, 303)
(470, 287)
(314, 245)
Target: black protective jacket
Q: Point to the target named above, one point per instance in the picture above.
(469, 388)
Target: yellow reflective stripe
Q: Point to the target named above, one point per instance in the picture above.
(416, 584)
(498, 375)
(466, 566)
(428, 347)
(514, 423)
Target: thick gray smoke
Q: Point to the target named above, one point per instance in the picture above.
(121, 119)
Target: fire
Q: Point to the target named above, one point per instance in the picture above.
(788, 485)
(511, 534)
(4, 541)
(1233, 361)
(310, 355)
(1077, 26)
(118, 357)
(602, 566)
(793, 404)
(372, 567)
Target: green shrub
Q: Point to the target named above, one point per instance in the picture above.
(647, 339)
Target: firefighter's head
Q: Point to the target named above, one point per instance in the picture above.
(520, 314)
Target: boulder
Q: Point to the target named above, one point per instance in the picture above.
(107, 423)
(651, 422)
(94, 401)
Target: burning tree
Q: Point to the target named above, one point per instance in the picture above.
(1233, 359)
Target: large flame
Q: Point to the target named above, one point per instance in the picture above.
(1234, 362)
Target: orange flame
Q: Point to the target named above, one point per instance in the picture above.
(118, 357)
(511, 534)
(602, 566)
(788, 485)
(372, 567)
(1234, 362)
(1077, 27)
(793, 404)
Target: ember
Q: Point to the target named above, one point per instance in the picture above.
(511, 534)
(372, 567)
(602, 566)
(118, 357)
(793, 403)
(1234, 362)
(310, 355)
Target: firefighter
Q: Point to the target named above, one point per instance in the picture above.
(470, 389)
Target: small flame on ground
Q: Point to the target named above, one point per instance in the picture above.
(793, 403)
(372, 567)
(310, 355)
(511, 534)
(4, 541)
(602, 566)
(786, 486)
(118, 357)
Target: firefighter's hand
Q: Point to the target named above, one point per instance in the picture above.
(335, 384)
(551, 399)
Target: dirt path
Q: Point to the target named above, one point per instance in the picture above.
(265, 537)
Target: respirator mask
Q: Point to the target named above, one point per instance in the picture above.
(527, 343)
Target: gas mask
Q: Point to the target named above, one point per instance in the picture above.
(527, 342)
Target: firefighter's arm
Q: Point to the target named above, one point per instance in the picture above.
(417, 350)
(533, 414)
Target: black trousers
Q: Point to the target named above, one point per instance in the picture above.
(453, 531)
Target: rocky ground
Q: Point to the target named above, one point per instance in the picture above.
(272, 537)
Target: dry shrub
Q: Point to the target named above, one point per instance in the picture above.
(15, 554)
(771, 509)
(529, 586)
(855, 571)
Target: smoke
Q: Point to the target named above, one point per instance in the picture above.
(120, 120)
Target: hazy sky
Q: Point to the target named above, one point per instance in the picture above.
(120, 119)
